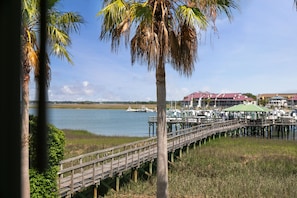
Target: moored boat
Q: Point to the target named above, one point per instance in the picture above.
(142, 109)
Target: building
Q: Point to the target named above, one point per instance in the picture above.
(214, 100)
(279, 99)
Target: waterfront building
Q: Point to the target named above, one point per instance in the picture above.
(274, 100)
(278, 102)
(214, 100)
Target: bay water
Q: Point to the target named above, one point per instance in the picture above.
(101, 121)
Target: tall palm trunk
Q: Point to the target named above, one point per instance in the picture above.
(162, 160)
(25, 181)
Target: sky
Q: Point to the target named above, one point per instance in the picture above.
(255, 52)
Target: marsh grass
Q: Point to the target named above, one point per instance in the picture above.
(79, 142)
(228, 167)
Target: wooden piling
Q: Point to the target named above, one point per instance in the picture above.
(134, 175)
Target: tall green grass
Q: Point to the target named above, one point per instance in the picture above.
(228, 167)
(80, 142)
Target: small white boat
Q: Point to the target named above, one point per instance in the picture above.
(131, 109)
(142, 109)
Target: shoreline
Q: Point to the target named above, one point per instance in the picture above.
(96, 106)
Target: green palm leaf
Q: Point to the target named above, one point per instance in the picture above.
(192, 16)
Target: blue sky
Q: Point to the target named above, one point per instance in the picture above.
(255, 53)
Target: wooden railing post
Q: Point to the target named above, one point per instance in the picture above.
(117, 187)
(95, 191)
(135, 174)
(172, 156)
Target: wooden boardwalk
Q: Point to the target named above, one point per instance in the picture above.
(90, 169)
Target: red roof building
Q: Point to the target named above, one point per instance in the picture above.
(221, 100)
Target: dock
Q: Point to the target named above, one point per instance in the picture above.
(91, 170)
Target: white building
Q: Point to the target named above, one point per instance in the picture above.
(277, 101)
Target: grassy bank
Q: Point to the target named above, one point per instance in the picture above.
(238, 167)
(80, 142)
(226, 167)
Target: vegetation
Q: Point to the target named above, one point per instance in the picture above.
(43, 184)
(250, 95)
(81, 142)
(241, 167)
(59, 25)
(162, 31)
(228, 167)
(105, 105)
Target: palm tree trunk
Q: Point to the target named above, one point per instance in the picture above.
(25, 181)
(162, 159)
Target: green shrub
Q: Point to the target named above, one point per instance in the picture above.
(45, 184)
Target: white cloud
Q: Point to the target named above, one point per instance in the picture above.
(85, 83)
(67, 90)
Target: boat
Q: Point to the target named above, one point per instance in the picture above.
(142, 109)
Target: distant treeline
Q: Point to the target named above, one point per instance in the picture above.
(102, 102)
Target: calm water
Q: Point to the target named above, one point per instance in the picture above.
(101, 121)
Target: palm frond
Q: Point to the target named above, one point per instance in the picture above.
(56, 35)
(31, 55)
(226, 7)
(114, 14)
(69, 21)
(184, 49)
(61, 52)
(188, 48)
(30, 12)
(31, 58)
(51, 3)
(145, 46)
(58, 29)
(141, 12)
(115, 22)
(192, 16)
(212, 8)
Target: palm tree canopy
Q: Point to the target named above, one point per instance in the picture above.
(59, 25)
(162, 30)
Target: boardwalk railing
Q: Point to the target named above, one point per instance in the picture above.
(89, 169)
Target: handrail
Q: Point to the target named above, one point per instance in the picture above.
(87, 169)
(104, 152)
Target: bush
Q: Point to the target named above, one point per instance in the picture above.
(45, 184)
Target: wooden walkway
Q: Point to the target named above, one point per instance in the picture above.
(90, 169)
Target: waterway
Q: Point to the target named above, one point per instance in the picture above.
(101, 121)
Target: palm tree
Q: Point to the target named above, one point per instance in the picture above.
(164, 31)
(59, 25)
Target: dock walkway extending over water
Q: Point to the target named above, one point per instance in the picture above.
(90, 169)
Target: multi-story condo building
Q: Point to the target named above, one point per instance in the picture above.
(214, 100)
